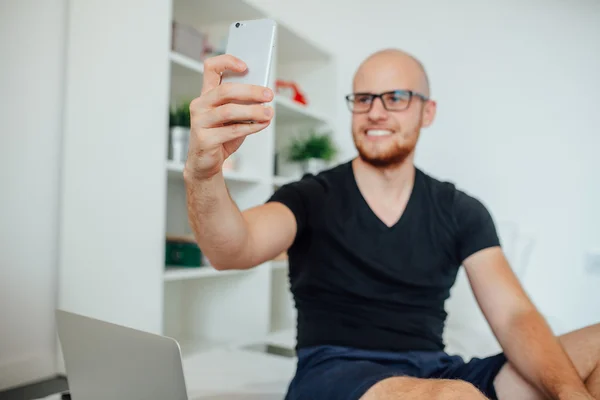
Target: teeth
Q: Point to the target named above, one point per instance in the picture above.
(378, 132)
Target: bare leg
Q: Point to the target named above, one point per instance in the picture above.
(582, 346)
(406, 388)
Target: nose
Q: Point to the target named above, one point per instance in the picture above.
(378, 111)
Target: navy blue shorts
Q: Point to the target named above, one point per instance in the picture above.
(340, 373)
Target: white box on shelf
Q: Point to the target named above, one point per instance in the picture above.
(187, 40)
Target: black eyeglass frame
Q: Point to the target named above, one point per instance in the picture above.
(374, 96)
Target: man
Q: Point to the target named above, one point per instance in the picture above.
(374, 247)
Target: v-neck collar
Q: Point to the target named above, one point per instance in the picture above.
(369, 211)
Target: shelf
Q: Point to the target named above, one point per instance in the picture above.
(285, 338)
(186, 78)
(175, 170)
(291, 46)
(183, 62)
(288, 111)
(194, 346)
(180, 274)
(282, 338)
(184, 273)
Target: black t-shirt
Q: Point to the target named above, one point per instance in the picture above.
(357, 282)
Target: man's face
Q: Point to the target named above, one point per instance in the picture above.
(385, 137)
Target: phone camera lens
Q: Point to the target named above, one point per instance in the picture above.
(237, 25)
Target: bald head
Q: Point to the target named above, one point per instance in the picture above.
(395, 62)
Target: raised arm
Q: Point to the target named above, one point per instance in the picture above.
(229, 238)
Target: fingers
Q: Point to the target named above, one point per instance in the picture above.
(215, 66)
(209, 138)
(235, 93)
(235, 113)
(222, 112)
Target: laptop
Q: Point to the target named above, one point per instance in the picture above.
(107, 361)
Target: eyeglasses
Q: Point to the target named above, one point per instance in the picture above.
(395, 100)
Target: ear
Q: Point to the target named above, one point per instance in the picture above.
(429, 110)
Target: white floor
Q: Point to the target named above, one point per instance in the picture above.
(238, 375)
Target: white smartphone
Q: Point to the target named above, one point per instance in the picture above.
(253, 42)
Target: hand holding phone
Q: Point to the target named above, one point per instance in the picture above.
(233, 92)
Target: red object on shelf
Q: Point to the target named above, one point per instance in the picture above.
(291, 90)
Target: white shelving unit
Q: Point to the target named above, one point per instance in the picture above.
(175, 171)
(291, 112)
(121, 197)
(205, 308)
(180, 273)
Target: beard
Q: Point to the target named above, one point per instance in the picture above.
(392, 154)
(390, 158)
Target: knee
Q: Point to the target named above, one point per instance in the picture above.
(455, 390)
(405, 388)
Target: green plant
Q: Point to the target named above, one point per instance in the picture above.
(179, 115)
(313, 146)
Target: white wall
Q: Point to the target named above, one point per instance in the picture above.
(517, 85)
(31, 89)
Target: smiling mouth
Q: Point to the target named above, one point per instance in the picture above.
(378, 132)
